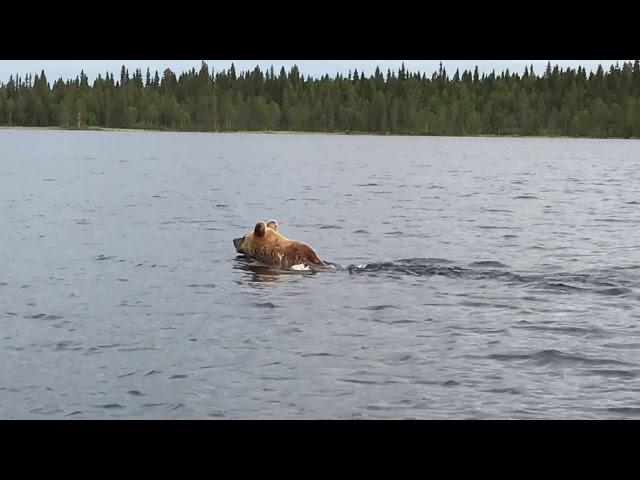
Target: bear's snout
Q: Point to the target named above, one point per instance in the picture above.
(237, 242)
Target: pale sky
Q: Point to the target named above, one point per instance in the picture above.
(55, 69)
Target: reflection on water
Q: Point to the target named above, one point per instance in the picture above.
(257, 271)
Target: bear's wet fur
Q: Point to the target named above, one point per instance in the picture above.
(268, 246)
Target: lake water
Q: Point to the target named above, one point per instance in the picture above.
(480, 277)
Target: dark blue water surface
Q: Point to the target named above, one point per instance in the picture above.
(478, 277)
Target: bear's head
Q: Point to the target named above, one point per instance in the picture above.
(252, 240)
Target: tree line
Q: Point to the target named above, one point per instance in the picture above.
(557, 102)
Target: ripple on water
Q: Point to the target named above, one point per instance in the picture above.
(268, 305)
(556, 287)
(553, 357)
(510, 391)
(376, 308)
(450, 383)
(488, 263)
(615, 291)
(627, 374)
(319, 354)
(595, 332)
(110, 406)
(626, 411)
(44, 316)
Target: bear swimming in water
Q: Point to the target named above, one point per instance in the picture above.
(268, 246)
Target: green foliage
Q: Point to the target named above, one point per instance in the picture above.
(569, 102)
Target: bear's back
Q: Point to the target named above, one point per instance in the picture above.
(297, 253)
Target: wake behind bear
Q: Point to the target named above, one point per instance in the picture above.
(268, 246)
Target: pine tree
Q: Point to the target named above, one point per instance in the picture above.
(561, 102)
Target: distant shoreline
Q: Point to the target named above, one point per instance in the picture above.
(287, 132)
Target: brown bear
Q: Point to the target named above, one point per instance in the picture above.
(267, 245)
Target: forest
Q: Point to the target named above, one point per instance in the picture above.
(556, 102)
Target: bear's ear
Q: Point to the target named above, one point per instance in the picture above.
(272, 224)
(260, 229)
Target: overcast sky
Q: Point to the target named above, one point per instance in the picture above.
(55, 69)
